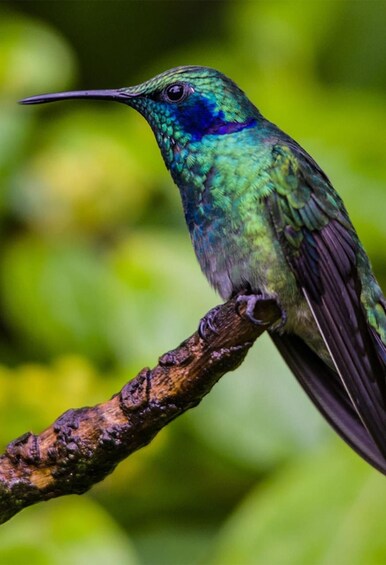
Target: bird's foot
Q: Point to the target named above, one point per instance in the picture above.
(252, 299)
(276, 326)
(207, 324)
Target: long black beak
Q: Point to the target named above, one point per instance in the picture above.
(120, 95)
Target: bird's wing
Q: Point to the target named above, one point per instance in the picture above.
(324, 387)
(326, 257)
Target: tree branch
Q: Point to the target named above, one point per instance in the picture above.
(84, 445)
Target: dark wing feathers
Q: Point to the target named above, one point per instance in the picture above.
(325, 389)
(322, 249)
(341, 317)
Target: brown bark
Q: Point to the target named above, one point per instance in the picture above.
(84, 445)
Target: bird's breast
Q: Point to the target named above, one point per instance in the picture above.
(233, 237)
(237, 249)
(223, 185)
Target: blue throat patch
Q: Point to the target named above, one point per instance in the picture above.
(201, 118)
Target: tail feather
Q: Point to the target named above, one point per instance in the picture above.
(325, 389)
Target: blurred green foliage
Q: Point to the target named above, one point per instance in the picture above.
(96, 268)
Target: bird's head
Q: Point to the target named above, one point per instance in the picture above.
(182, 105)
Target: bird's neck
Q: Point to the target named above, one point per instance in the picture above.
(205, 174)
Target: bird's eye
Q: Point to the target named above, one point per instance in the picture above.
(175, 92)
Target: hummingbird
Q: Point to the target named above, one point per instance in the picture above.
(266, 222)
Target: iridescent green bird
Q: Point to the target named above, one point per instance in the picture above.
(265, 221)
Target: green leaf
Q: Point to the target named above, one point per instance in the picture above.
(83, 177)
(328, 509)
(70, 530)
(33, 57)
(57, 296)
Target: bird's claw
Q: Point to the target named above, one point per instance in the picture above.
(251, 300)
(207, 324)
(276, 326)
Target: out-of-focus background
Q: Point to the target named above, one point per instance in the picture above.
(98, 278)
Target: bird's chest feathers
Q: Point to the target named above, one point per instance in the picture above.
(222, 198)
